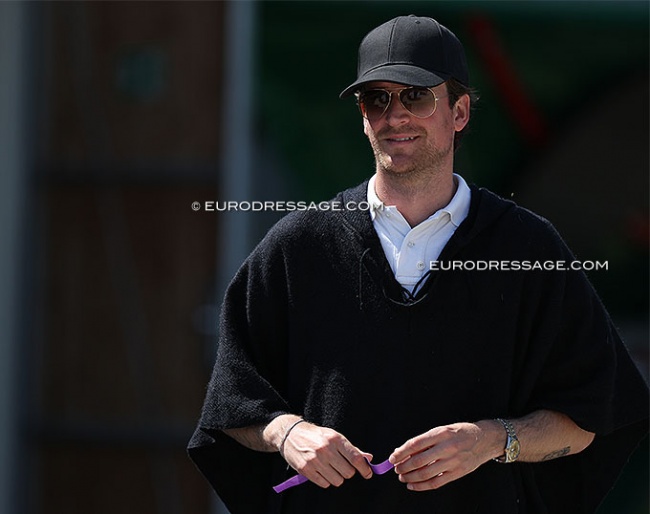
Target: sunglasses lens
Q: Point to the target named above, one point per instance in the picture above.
(373, 103)
(419, 101)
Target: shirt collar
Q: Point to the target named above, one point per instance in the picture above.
(457, 208)
(376, 205)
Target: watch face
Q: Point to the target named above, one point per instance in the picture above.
(513, 450)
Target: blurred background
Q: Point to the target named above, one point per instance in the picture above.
(116, 116)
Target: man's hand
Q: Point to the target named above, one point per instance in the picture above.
(446, 453)
(324, 456)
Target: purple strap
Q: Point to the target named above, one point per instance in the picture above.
(295, 480)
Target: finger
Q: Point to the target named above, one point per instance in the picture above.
(420, 460)
(415, 445)
(368, 456)
(358, 459)
(320, 466)
(334, 465)
(342, 466)
(424, 473)
(332, 475)
(323, 473)
(313, 475)
(435, 482)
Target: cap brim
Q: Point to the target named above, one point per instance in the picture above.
(401, 74)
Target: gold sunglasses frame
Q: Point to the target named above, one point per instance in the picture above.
(390, 92)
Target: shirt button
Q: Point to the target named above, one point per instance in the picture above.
(411, 244)
(420, 265)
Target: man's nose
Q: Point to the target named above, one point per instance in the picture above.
(396, 113)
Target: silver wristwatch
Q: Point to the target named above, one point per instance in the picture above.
(511, 452)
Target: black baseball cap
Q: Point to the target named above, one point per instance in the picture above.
(410, 50)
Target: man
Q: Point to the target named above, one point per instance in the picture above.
(495, 391)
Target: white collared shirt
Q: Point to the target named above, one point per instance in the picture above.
(410, 250)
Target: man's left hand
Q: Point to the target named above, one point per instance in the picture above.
(446, 453)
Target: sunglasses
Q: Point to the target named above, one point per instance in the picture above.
(421, 102)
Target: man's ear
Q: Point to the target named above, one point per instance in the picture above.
(461, 113)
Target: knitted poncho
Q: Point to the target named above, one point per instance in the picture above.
(315, 324)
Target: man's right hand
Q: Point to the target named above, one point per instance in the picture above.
(324, 456)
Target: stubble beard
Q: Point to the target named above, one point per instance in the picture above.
(425, 165)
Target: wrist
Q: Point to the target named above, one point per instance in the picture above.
(287, 433)
(494, 437)
(276, 431)
(513, 447)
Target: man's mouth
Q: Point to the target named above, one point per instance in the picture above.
(401, 139)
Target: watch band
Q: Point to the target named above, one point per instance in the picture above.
(513, 447)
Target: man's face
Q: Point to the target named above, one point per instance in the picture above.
(406, 145)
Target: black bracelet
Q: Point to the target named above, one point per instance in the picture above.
(286, 435)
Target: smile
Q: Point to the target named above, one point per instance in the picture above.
(401, 139)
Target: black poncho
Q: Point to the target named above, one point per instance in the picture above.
(315, 324)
